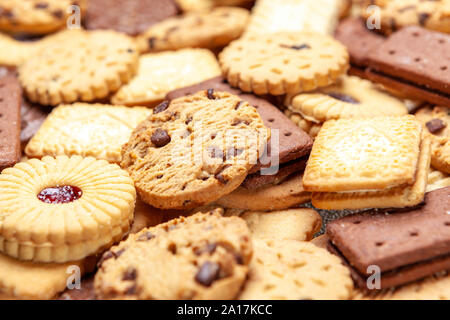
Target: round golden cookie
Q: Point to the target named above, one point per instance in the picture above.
(349, 97)
(437, 124)
(311, 128)
(80, 66)
(204, 256)
(283, 63)
(194, 149)
(212, 29)
(63, 209)
(294, 270)
(36, 16)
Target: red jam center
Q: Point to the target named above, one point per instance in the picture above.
(63, 194)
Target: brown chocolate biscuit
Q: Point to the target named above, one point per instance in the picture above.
(293, 142)
(128, 16)
(415, 55)
(10, 100)
(32, 117)
(359, 40)
(405, 246)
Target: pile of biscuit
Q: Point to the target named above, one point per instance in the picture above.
(224, 149)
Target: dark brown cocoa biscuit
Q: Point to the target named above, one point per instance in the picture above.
(294, 143)
(415, 55)
(128, 16)
(359, 41)
(257, 180)
(408, 89)
(10, 100)
(406, 245)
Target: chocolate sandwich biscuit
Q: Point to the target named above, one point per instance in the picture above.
(405, 245)
(293, 142)
(359, 40)
(128, 16)
(10, 100)
(416, 58)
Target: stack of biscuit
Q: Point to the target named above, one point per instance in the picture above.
(224, 149)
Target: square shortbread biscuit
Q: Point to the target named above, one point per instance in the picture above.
(369, 154)
(270, 16)
(160, 73)
(397, 197)
(87, 130)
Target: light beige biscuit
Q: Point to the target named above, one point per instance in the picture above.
(194, 150)
(395, 197)
(102, 62)
(283, 63)
(87, 130)
(37, 16)
(436, 122)
(364, 154)
(287, 194)
(299, 224)
(437, 180)
(349, 97)
(432, 288)
(13, 52)
(293, 270)
(311, 128)
(204, 256)
(63, 209)
(160, 73)
(270, 16)
(396, 14)
(212, 29)
(28, 280)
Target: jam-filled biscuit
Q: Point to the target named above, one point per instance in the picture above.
(63, 209)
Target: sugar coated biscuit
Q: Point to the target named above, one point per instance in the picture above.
(270, 16)
(204, 256)
(364, 154)
(63, 209)
(293, 270)
(194, 149)
(94, 130)
(212, 29)
(160, 73)
(283, 63)
(36, 16)
(437, 125)
(101, 63)
(350, 97)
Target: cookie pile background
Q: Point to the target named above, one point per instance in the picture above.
(225, 149)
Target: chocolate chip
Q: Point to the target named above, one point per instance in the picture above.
(130, 274)
(129, 50)
(209, 248)
(343, 97)
(41, 5)
(146, 236)
(238, 105)
(232, 152)
(423, 18)
(151, 43)
(435, 125)
(296, 47)
(119, 253)
(188, 120)
(58, 14)
(239, 121)
(131, 290)
(219, 175)
(210, 94)
(160, 138)
(208, 273)
(161, 107)
(239, 259)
